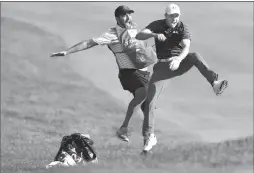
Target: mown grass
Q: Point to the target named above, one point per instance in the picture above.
(43, 99)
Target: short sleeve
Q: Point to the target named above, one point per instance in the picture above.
(106, 38)
(153, 26)
(186, 33)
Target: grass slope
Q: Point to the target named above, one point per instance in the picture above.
(43, 99)
(188, 105)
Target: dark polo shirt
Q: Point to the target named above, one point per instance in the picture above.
(171, 46)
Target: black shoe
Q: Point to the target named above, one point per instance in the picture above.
(122, 134)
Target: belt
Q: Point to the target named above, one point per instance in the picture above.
(164, 60)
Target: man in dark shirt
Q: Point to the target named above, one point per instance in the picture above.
(172, 40)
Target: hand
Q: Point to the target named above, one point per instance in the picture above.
(161, 37)
(174, 63)
(63, 53)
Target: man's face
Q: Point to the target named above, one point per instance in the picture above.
(125, 20)
(172, 19)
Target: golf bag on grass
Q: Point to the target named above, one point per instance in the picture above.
(75, 149)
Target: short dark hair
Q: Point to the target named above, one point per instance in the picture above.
(122, 10)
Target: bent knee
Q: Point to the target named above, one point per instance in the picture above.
(140, 93)
(194, 56)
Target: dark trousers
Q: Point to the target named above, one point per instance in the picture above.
(161, 74)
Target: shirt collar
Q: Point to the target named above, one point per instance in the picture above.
(176, 27)
(119, 29)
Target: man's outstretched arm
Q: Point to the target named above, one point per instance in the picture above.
(147, 33)
(83, 45)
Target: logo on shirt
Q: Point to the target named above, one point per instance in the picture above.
(169, 32)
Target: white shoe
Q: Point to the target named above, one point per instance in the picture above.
(149, 142)
(219, 86)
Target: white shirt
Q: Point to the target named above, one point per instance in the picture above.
(111, 39)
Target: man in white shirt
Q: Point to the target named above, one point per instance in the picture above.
(133, 79)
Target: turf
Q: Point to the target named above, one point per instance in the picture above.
(43, 99)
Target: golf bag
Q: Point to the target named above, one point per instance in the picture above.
(74, 149)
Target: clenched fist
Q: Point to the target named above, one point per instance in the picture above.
(161, 37)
